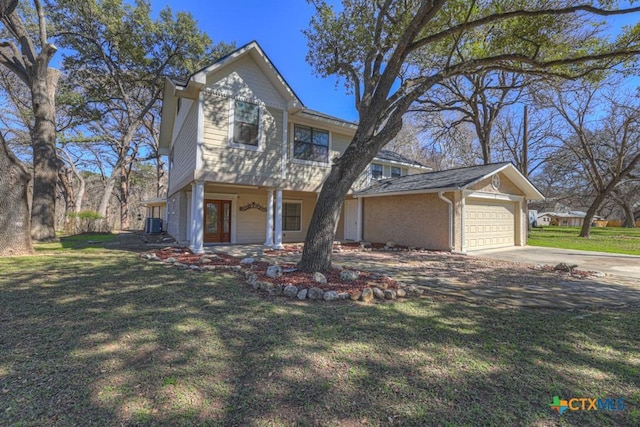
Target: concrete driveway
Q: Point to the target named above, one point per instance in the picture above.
(614, 264)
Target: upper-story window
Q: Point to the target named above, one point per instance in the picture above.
(246, 121)
(377, 171)
(310, 144)
(395, 172)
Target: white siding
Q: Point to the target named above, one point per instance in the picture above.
(247, 81)
(235, 164)
(184, 150)
(177, 216)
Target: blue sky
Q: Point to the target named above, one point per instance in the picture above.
(277, 26)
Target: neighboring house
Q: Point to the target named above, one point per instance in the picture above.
(247, 161)
(564, 219)
(545, 218)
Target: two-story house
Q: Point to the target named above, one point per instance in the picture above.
(247, 161)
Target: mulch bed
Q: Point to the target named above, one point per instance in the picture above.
(290, 276)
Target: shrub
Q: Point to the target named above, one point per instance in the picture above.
(87, 222)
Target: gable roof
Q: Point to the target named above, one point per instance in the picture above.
(190, 87)
(254, 50)
(392, 156)
(450, 180)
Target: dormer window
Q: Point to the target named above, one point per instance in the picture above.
(310, 144)
(246, 123)
(377, 171)
(396, 172)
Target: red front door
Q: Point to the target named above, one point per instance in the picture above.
(217, 221)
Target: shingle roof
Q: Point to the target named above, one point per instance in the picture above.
(395, 157)
(458, 178)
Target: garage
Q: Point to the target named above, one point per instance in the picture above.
(489, 224)
(460, 210)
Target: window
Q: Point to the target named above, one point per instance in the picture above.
(310, 144)
(395, 172)
(291, 216)
(245, 123)
(376, 171)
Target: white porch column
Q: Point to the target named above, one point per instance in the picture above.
(278, 236)
(359, 216)
(269, 235)
(197, 217)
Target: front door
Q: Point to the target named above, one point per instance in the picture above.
(217, 221)
(351, 220)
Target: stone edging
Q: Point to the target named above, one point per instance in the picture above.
(312, 293)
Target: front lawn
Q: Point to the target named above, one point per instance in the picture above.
(99, 337)
(608, 239)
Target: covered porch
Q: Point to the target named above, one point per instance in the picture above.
(207, 213)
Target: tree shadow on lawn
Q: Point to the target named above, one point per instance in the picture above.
(110, 340)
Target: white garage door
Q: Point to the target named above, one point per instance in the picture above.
(489, 224)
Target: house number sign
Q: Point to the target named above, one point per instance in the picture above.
(253, 205)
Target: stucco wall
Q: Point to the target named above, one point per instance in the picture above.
(506, 186)
(419, 220)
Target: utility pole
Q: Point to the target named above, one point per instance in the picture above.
(525, 143)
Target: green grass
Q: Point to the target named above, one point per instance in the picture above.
(102, 338)
(77, 241)
(612, 240)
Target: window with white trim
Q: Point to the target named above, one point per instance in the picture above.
(395, 172)
(310, 144)
(292, 216)
(377, 171)
(246, 123)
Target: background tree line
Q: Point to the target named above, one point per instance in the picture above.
(83, 135)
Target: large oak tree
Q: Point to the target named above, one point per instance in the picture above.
(390, 53)
(118, 58)
(28, 55)
(15, 237)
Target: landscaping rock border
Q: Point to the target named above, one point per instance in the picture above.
(261, 276)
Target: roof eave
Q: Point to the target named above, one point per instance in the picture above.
(404, 193)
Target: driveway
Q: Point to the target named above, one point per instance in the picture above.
(612, 264)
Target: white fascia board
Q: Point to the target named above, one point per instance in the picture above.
(531, 192)
(404, 193)
(394, 162)
(493, 196)
(321, 123)
(168, 115)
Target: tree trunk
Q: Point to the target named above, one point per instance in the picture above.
(80, 193)
(45, 160)
(629, 218)
(125, 222)
(68, 193)
(585, 231)
(160, 173)
(318, 244)
(106, 198)
(15, 223)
